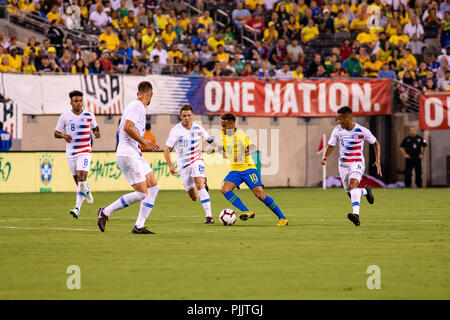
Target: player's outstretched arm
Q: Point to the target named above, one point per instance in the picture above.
(172, 168)
(378, 157)
(328, 151)
(130, 129)
(61, 135)
(96, 131)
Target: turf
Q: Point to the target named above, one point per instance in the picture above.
(320, 255)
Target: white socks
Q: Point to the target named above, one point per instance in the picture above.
(124, 201)
(82, 191)
(205, 200)
(146, 206)
(355, 195)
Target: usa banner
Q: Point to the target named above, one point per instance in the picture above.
(434, 112)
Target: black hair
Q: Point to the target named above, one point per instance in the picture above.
(145, 86)
(345, 110)
(148, 126)
(75, 93)
(228, 117)
(1, 125)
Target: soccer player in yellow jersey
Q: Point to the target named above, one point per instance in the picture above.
(237, 148)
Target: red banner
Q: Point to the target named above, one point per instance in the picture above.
(434, 112)
(298, 98)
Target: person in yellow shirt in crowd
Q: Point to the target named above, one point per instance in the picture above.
(5, 66)
(213, 42)
(309, 32)
(149, 38)
(206, 20)
(79, 67)
(15, 60)
(168, 36)
(365, 37)
(111, 39)
(31, 44)
(360, 22)
(363, 57)
(27, 68)
(287, 4)
(298, 72)
(130, 21)
(372, 67)
(341, 22)
(394, 39)
(174, 52)
(407, 57)
(54, 14)
(270, 34)
(392, 27)
(330, 6)
(116, 20)
(205, 72)
(160, 19)
(184, 21)
(221, 54)
(251, 4)
(172, 18)
(406, 67)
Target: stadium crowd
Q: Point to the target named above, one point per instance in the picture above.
(404, 40)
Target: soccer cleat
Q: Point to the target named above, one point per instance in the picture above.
(353, 218)
(282, 223)
(89, 197)
(101, 220)
(75, 212)
(209, 220)
(142, 230)
(246, 215)
(369, 196)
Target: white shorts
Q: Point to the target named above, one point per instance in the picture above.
(133, 169)
(187, 175)
(81, 162)
(353, 171)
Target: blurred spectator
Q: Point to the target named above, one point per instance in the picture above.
(326, 24)
(352, 65)
(26, 67)
(96, 68)
(5, 139)
(341, 23)
(309, 32)
(98, 19)
(240, 15)
(66, 62)
(414, 27)
(443, 83)
(79, 67)
(106, 62)
(112, 40)
(298, 72)
(270, 33)
(199, 41)
(279, 56)
(15, 60)
(372, 67)
(284, 73)
(295, 52)
(160, 20)
(386, 73)
(160, 52)
(312, 68)
(321, 72)
(137, 68)
(56, 36)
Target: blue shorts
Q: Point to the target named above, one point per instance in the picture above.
(250, 177)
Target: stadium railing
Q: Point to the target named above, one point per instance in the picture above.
(405, 98)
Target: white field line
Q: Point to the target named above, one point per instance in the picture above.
(63, 229)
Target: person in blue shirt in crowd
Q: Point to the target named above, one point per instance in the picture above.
(5, 139)
(386, 72)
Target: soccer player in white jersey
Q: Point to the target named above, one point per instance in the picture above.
(74, 127)
(351, 137)
(185, 137)
(134, 167)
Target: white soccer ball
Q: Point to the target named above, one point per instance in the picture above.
(227, 217)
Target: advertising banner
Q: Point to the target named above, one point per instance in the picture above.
(49, 172)
(434, 112)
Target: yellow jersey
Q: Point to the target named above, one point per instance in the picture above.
(112, 41)
(235, 147)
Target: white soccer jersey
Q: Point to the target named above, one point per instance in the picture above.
(128, 147)
(351, 143)
(78, 127)
(187, 143)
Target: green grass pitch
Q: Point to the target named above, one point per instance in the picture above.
(320, 255)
